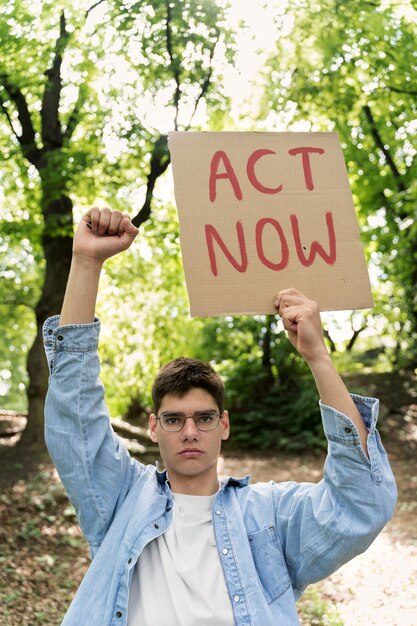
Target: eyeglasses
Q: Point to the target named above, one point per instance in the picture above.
(204, 420)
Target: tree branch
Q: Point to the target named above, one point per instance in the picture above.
(52, 136)
(330, 340)
(9, 119)
(354, 337)
(93, 6)
(28, 133)
(205, 85)
(380, 144)
(75, 114)
(159, 162)
(173, 63)
(403, 91)
(27, 137)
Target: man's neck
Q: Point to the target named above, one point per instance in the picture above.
(193, 485)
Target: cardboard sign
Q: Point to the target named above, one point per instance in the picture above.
(261, 212)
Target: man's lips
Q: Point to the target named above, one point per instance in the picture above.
(191, 452)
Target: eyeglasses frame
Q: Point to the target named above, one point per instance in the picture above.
(186, 417)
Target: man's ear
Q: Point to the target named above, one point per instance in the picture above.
(225, 424)
(152, 427)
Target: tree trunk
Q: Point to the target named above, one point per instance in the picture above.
(57, 246)
(268, 377)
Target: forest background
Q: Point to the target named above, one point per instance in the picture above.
(88, 92)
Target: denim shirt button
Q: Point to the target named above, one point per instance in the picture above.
(348, 430)
(225, 551)
(377, 476)
(60, 338)
(119, 614)
(50, 331)
(218, 512)
(156, 526)
(129, 560)
(236, 598)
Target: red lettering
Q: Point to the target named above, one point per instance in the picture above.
(213, 235)
(285, 252)
(316, 247)
(308, 177)
(250, 170)
(228, 174)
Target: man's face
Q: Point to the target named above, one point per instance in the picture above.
(190, 455)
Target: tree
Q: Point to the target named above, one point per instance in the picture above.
(57, 116)
(42, 130)
(176, 52)
(350, 67)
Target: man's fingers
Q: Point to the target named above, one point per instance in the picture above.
(121, 228)
(104, 221)
(92, 218)
(283, 302)
(292, 298)
(291, 293)
(114, 224)
(290, 316)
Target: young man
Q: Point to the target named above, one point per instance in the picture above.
(177, 548)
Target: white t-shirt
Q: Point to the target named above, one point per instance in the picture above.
(178, 579)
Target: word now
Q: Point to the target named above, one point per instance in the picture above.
(221, 157)
(241, 265)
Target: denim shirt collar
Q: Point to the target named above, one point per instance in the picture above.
(162, 478)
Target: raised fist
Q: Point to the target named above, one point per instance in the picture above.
(102, 233)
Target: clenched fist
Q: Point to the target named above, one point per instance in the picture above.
(102, 233)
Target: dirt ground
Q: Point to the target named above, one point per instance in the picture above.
(43, 555)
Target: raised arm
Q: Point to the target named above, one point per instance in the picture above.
(93, 464)
(301, 319)
(102, 233)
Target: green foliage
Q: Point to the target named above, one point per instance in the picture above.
(178, 48)
(136, 69)
(144, 308)
(21, 272)
(349, 67)
(284, 416)
(270, 393)
(316, 611)
(80, 83)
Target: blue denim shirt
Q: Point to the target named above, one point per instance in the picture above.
(273, 538)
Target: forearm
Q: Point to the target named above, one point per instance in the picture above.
(333, 392)
(81, 292)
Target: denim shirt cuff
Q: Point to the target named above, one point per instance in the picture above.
(70, 338)
(339, 427)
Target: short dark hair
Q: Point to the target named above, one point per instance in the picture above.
(183, 374)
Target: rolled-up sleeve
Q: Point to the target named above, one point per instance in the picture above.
(93, 464)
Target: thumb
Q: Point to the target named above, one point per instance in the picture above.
(129, 230)
(127, 233)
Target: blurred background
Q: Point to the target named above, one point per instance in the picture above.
(88, 92)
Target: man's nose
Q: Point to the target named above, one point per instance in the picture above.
(189, 429)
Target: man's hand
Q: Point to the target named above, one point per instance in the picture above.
(102, 233)
(301, 319)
